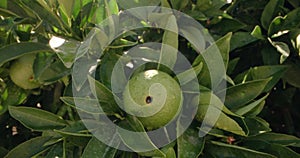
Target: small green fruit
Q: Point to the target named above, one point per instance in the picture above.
(154, 97)
(21, 72)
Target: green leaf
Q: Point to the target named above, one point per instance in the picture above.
(218, 149)
(189, 74)
(111, 8)
(169, 48)
(14, 51)
(77, 129)
(248, 108)
(241, 94)
(189, 144)
(277, 138)
(282, 48)
(241, 39)
(52, 72)
(213, 68)
(263, 72)
(55, 150)
(104, 95)
(232, 25)
(87, 105)
(274, 149)
(224, 46)
(29, 148)
(232, 65)
(294, 3)
(127, 4)
(211, 111)
(270, 55)
(3, 152)
(178, 5)
(292, 75)
(96, 149)
(67, 6)
(3, 4)
(66, 51)
(281, 25)
(41, 63)
(36, 119)
(143, 144)
(113, 63)
(256, 125)
(257, 33)
(170, 153)
(270, 11)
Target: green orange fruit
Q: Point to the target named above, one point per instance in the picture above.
(154, 97)
(21, 72)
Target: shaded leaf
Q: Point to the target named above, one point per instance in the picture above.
(189, 144)
(274, 149)
(257, 125)
(270, 11)
(278, 138)
(218, 149)
(104, 95)
(241, 39)
(29, 148)
(144, 144)
(36, 119)
(282, 48)
(95, 148)
(75, 129)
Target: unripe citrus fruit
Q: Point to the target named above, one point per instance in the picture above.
(154, 97)
(21, 72)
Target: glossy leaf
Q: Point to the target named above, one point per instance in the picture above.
(218, 149)
(282, 48)
(274, 149)
(263, 72)
(241, 39)
(270, 11)
(189, 144)
(248, 108)
(14, 51)
(241, 94)
(278, 138)
(37, 119)
(29, 148)
(211, 112)
(95, 148)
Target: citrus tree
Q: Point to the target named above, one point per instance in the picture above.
(189, 78)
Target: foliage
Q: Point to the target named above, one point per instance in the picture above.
(260, 45)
